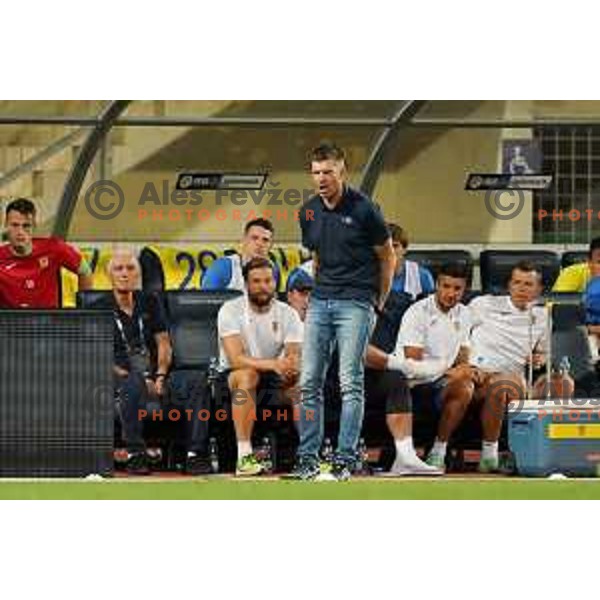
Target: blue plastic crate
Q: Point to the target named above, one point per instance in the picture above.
(555, 436)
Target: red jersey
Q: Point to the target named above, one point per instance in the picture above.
(32, 281)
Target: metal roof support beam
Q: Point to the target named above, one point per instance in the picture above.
(201, 121)
(294, 122)
(372, 169)
(88, 151)
(447, 123)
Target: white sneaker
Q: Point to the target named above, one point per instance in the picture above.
(413, 467)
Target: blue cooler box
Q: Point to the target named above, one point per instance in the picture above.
(555, 436)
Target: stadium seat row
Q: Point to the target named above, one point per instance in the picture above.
(166, 268)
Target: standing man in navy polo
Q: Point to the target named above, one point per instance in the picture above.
(354, 265)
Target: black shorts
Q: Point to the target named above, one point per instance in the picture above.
(428, 397)
(387, 391)
(269, 392)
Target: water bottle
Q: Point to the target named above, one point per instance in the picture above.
(213, 370)
(267, 455)
(564, 370)
(362, 463)
(327, 450)
(565, 366)
(213, 455)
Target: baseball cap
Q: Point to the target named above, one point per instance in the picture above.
(300, 280)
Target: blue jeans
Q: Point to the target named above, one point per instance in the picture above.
(347, 324)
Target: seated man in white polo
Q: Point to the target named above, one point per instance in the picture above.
(259, 339)
(510, 334)
(435, 333)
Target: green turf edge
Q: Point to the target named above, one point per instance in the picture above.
(284, 490)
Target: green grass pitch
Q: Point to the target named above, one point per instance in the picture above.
(224, 488)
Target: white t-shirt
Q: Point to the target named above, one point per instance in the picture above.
(237, 277)
(412, 278)
(503, 335)
(308, 267)
(440, 334)
(264, 335)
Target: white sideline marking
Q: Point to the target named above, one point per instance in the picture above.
(226, 477)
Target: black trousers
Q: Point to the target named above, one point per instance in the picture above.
(185, 406)
(131, 395)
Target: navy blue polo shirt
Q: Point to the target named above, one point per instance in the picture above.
(146, 307)
(343, 239)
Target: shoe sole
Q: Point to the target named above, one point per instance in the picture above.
(245, 474)
(324, 477)
(342, 475)
(408, 473)
(488, 470)
(291, 477)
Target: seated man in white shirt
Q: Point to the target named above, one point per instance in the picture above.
(386, 387)
(509, 335)
(259, 339)
(434, 335)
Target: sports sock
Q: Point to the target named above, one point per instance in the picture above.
(244, 448)
(404, 448)
(439, 448)
(489, 450)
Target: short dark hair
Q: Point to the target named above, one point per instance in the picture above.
(455, 270)
(264, 223)
(594, 245)
(21, 205)
(327, 151)
(527, 267)
(398, 234)
(257, 263)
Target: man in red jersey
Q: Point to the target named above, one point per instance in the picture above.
(30, 267)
